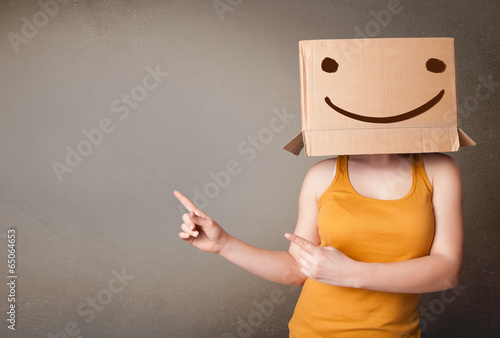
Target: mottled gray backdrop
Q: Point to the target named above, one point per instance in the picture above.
(107, 106)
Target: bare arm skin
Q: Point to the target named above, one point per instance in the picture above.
(204, 233)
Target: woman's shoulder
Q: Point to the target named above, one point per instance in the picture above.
(320, 175)
(439, 166)
(323, 167)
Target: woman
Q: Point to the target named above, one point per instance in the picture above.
(367, 242)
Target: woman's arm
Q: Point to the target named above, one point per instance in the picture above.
(437, 271)
(277, 266)
(204, 233)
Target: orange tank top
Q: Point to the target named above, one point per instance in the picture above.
(368, 230)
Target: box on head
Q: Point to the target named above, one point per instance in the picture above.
(378, 96)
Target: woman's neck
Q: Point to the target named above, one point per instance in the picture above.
(376, 159)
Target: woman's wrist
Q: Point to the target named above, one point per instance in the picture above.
(225, 245)
(359, 274)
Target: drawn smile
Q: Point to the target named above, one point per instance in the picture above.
(389, 119)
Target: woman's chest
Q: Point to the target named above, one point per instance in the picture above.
(377, 232)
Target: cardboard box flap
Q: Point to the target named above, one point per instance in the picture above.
(464, 139)
(295, 146)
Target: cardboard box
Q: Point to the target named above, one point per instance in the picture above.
(378, 96)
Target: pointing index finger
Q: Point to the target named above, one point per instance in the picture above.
(301, 242)
(188, 204)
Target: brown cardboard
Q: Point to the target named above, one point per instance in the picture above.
(378, 96)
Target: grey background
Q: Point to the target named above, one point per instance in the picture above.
(228, 75)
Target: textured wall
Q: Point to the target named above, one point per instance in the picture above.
(107, 106)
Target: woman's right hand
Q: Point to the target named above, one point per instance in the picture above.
(200, 230)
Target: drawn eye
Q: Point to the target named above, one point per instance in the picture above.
(435, 65)
(329, 65)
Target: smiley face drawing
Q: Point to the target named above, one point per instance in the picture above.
(433, 65)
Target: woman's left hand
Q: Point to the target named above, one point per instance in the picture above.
(324, 264)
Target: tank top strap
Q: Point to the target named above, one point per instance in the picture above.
(423, 181)
(342, 168)
(339, 180)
